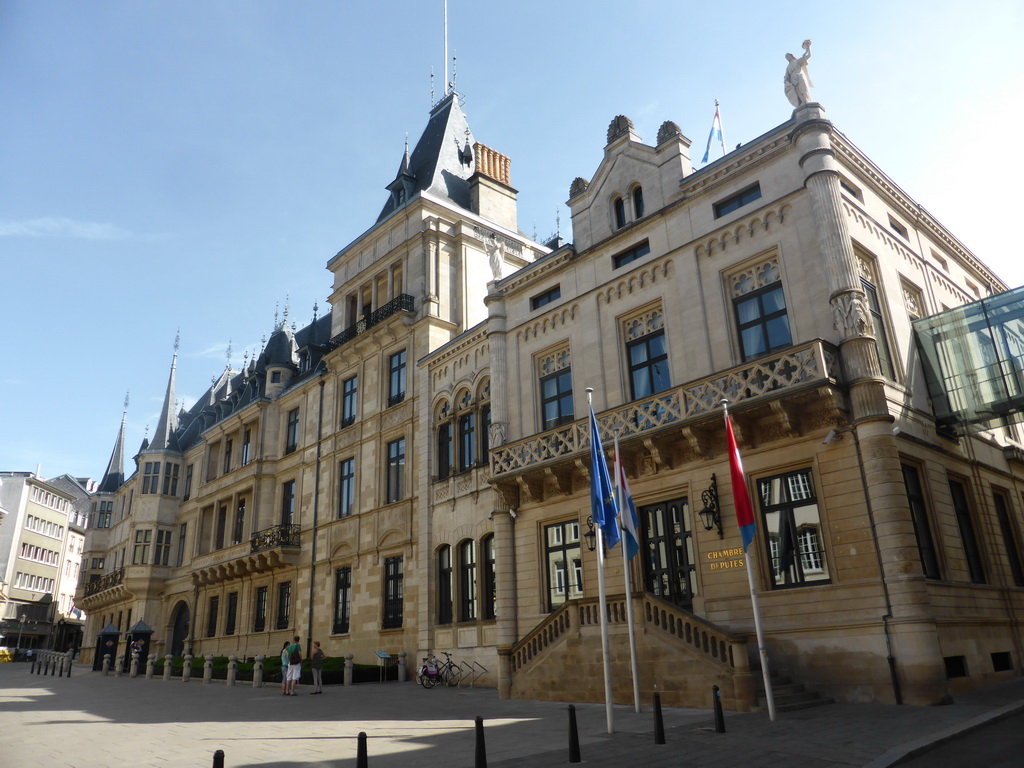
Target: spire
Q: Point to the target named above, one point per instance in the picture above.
(163, 435)
(113, 478)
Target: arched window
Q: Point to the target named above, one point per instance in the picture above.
(444, 585)
(619, 208)
(638, 202)
(467, 580)
(467, 441)
(445, 446)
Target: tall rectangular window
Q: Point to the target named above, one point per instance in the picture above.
(396, 378)
(346, 487)
(467, 580)
(919, 517)
(291, 441)
(881, 336)
(151, 477)
(162, 550)
(967, 534)
(231, 616)
(737, 201)
(259, 613)
(188, 481)
(445, 451)
(467, 441)
(490, 593)
(238, 529)
(182, 530)
(170, 479)
(564, 563)
(140, 552)
(349, 391)
(229, 445)
(763, 322)
(396, 471)
(211, 617)
(556, 398)
(485, 432)
(284, 604)
(288, 503)
(246, 446)
(792, 526)
(1006, 527)
(222, 524)
(342, 600)
(444, 585)
(394, 589)
(648, 365)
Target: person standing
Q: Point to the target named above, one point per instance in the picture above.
(316, 663)
(294, 666)
(284, 668)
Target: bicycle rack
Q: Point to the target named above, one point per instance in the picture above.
(472, 670)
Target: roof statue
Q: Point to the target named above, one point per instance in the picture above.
(797, 81)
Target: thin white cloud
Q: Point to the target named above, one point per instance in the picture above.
(57, 226)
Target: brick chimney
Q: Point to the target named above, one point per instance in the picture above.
(490, 192)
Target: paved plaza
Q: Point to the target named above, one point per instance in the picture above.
(94, 721)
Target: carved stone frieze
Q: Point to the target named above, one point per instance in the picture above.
(850, 315)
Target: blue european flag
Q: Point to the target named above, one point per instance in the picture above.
(602, 499)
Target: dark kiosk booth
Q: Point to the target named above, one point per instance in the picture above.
(106, 645)
(137, 641)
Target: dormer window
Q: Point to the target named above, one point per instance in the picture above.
(619, 210)
(638, 203)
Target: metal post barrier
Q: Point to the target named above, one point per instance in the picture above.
(659, 723)
(719, 718)
(167, 666)
(71, 660)
(46, 663)
(218, 759)
(574, 736)
(232, 669)
(481, 748)
(362, 761)
(401, 667)
(257, 672)
(186, 670)
(54, 658)
(32, 669)
(150, 667)
(106, 664)
(58, 663)
(208, 669)
(348, 669)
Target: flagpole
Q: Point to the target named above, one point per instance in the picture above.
(628, 579)
(761, 648)
(721, 130)
(603, 604)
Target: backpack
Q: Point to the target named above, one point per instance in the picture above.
(294, 657)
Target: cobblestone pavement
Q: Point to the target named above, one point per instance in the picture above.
(94, 721)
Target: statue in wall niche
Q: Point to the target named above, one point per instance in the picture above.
(797, 80)
(497, 435)
(496, 255)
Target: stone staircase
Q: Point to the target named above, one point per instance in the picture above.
(789, 696)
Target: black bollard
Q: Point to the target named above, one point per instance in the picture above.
(362, 761)
(32, 671)
(719, 718)
(481, 748)
(574, 737)
(659, 723)
(218, 759)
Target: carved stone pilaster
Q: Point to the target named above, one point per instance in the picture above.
(850, 316)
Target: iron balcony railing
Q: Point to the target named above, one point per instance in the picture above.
(403, 303)
(105, 582)
(796, 368)
(277, 536)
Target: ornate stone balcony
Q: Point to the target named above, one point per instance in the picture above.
(770, 398)
(402, 303)
(105, 582)
(275, 547)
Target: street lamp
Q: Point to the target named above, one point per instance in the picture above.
(591, 535)
(711, 514)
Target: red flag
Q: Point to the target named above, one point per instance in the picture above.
(741, 498)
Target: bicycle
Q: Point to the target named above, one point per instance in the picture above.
(449, 673)
(433, 672)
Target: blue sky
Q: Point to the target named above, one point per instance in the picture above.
(194, 164)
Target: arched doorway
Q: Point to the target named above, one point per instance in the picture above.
(179, 633)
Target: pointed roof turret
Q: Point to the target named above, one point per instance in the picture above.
(113, 478)
(442, 161)
(163, 435)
